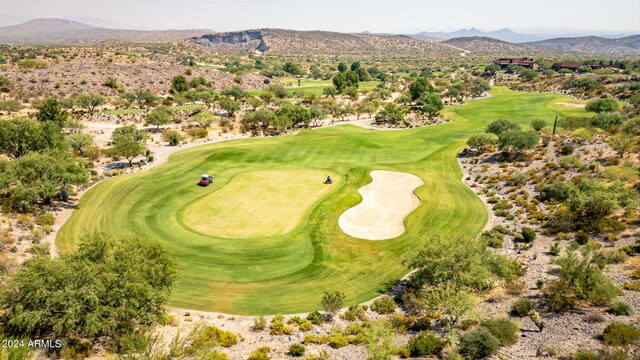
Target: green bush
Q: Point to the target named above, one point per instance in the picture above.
(620, 307)
(355, 312)
(259, 323)
(211, 337)
(296, 350)
(582, 237)
(522, 307)
(478, 344)
(105, 277)
(277, 326)
(384, 306)
(315, 318)
(261, 353)
(504, 329)
(580, 278)
(421, 324)
(426, 343)
(567, 149)
(528, 235)
(45, 219)
(618, 333)
(493, 238)
(337, 341)
(584, 354)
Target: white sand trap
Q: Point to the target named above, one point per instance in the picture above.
(386, 201)
(575, 105)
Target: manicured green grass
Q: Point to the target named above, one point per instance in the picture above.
(134, 53)
(187, 107)
(289, 273)
(258, 203)
(123, 111)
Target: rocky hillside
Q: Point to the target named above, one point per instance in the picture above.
(593, 44)
(486, 45)
(278, 41)
(84, 75)
(68, 32)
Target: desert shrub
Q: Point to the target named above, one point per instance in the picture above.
(45, 219)
(538, 124)
(557, 192)
(584, 354)
(400, 322)
(632, 285)
(313, 339)
(618, 333)
(421, 324)
(493, 238)
(620, 307)
(569, 162)
(384, 306)
(425, 343)
(172, 137)
(338, 340)
(580, 278)
(197, 132)
(462, 262)
(296, 350)
(567, 149)
(522, 307)
(355, 312)
(528, 235)
(277, 326)
(259, 323)
(211, 336)
(582, 237)
(303, 324)
(315, 318)
(504, 329)
(478, 343)
(261, 353)
(332, 302)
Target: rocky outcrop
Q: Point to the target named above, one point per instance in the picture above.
(250, 40)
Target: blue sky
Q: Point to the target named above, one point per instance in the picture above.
(345, 15)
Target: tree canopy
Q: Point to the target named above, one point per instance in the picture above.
(108, 287)
(430, 103)
(39, 177)
(419, 87)
(602, 105)
(128, 142)
(346, 79)
(20, 136)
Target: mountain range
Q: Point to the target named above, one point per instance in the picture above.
(54, 31)
(511, 36)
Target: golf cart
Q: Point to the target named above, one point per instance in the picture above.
(205, 180)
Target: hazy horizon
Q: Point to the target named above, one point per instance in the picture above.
(402, 16)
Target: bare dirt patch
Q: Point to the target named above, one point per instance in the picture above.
(579, 106)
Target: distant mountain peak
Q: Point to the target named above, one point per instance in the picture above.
(51, 24)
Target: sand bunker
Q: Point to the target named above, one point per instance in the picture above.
(386, 201)
(575, 105)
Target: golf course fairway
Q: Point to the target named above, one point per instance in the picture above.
(228, 267)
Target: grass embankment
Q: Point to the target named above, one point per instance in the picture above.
(289, 273)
